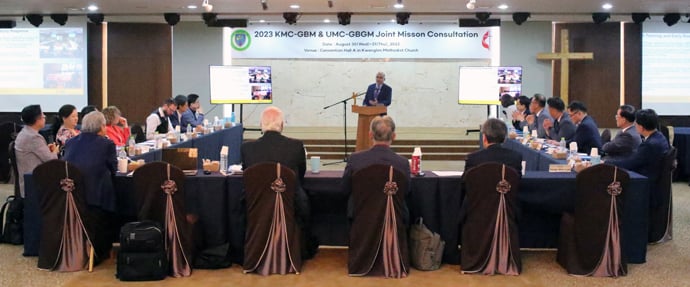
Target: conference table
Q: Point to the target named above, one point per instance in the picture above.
(681, 140)
(219, 202)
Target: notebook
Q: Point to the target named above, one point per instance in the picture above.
(185, 159)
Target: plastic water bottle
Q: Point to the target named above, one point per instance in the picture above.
(131, 146)
(232, 118)
(189, 130)
(562, 145)
(223, 162)
(121, 153)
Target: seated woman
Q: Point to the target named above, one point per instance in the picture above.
(94, 155)
(116, 127)
(65, 125)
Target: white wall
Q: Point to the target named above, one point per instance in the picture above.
(424, 92)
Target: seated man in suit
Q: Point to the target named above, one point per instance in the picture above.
(626, 141)
(378, 93)
(382, 133)
(176, 118)
(587, 133)
(94, 155)
(193, 116)
(535, 121)
(30, 146)
(647, 158)
(493, 135)
(561, 126)
(275, 147)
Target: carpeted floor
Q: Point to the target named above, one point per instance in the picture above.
(667, 265)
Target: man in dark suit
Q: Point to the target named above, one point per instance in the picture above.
(561, 126)
(382, 133)
(94, 155)
(626, 141)
(493, 135)
(647, 159)
(378, 93)
(535, 121)
(176, 118)
(275, 147)
(587, 133)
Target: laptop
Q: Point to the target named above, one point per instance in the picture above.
(183, 158)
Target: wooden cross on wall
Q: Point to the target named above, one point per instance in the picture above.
(565, 56)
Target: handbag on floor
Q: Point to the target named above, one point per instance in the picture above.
(426, 247)
(12, 219)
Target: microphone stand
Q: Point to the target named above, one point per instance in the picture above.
(344, 102)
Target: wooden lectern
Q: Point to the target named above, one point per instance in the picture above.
(366, 115)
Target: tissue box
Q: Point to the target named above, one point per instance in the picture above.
(213, 166)
(560, 154)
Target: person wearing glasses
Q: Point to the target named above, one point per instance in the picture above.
(378, 93)
(626, 141)
(30, 146)
(587, 133)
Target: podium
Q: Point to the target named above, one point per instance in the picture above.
(366, 115)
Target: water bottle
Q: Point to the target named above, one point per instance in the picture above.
(131, 146)
(121, 153)
(223, 162)
(562, 145)
(189, 131)
(232, 118)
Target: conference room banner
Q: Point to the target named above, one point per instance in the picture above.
(363, 40)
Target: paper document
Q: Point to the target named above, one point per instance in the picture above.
(447, 173)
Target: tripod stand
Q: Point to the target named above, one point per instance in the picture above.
(344, 102)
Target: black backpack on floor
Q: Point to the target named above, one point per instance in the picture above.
(142, 254)
(12, 219)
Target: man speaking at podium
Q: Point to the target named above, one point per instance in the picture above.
(378, 93)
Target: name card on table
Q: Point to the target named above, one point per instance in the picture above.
(559, 168)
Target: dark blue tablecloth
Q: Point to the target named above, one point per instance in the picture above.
(681, 140)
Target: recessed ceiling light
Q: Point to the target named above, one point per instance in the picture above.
(327, 20)
(399, 6)
(294, 6)
(607, 6)
(262, 21)
(92, 7)
(191, 7)
(503, 6)
(392, 20)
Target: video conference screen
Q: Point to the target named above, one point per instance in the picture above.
(44, 66)
(241, 85)
(486, 85)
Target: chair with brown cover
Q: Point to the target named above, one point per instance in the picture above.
(272, 241)
(490, 234)
(15, 171)
(67, 237)
(661, 211)
(161, 197)
(590, 240)
(8, 133)
(378, 235)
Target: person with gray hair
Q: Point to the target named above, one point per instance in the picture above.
(275, 147)
(382, 133)
(94, 155)
(493, 135)
(538, 114)
(378, 94)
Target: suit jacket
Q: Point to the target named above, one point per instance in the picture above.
(538, 124)
(175, 120)
(623, 145)
(192, 118)
(587, 135)
(385, 95)
(519, 124)
(95, 157)
(563, 128)
(495, 153)
(31, 150)
(647, 159)
(275, 147)
(378, 154)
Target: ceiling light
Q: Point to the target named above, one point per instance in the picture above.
(471, 4)
(327, 20)
(607, 6)
(262, 21)
(192, 7)
(92, 8)
(294, 6)
(392, 20)
(503, 6)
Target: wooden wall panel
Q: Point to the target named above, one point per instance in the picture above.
(139, 68)
(94, 64)
(633, 64)
(594, 82)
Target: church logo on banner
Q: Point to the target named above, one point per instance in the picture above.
(240, 40)
(486, 40)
